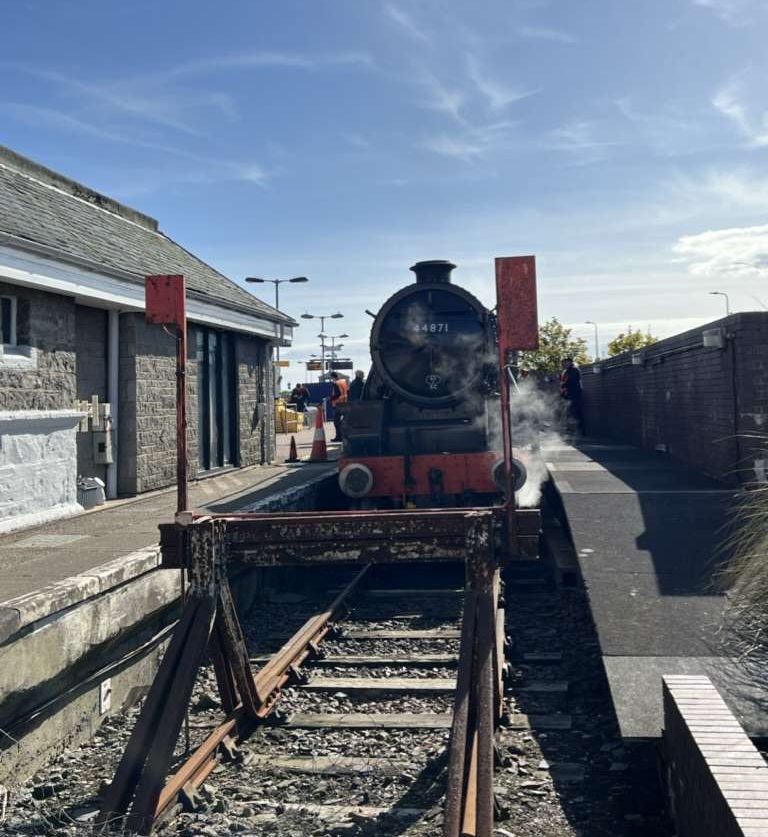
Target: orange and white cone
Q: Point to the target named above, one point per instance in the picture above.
(293, 454)
(319, 447)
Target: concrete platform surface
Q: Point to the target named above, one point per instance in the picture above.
(649, 536)
(33, 558)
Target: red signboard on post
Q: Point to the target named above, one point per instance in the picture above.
(164, 297)
(517, 312)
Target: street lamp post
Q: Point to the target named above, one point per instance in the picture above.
(727, 300)
(597, 339)
(322, 318)
(334, 345)
(276, 283)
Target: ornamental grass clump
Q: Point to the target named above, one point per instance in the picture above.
(745, 577)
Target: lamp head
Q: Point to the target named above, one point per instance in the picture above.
(299, 279)
(254, 279)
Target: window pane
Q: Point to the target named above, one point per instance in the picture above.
(5, 320)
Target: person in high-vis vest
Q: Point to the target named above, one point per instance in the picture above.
(339, 398)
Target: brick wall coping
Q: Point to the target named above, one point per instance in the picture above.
(713, 763)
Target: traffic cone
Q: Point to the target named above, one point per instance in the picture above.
(319, 448)
(293, 455)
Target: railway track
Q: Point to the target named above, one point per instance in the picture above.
(362, 747)
(359, 737)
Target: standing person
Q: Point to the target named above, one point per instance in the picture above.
(356, 387)
(300, 397)
(570, 389)
(339, 398)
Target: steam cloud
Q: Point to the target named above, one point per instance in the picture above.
(533, 419)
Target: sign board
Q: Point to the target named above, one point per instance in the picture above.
(341, 364)
(164, 299)
(314, 366)
(283, 363)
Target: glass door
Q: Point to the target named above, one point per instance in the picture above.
(216, 399)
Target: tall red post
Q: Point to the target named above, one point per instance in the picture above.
(518, 329)
(166, 305)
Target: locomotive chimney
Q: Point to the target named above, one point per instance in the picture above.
(434, 272)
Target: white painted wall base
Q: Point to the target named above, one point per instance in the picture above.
(38, 466)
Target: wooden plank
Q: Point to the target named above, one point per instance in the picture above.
(364, 720)
(433, 633)
(333, 813)
(415, 660)
(405, 592)
(521, 721)
(549, 687)
(333, 765)
(352, 685)
(541, 657)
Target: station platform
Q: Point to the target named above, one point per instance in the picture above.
(649, 536)
(34, 558)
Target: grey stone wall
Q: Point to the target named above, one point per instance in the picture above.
(91, 377)
(147, 426)
(47, 322)
(257, 402)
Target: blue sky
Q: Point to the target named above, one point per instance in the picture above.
(624, 142)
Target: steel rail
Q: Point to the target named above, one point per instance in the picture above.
(268, 680)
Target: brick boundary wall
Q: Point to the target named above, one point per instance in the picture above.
(716, 778)
(707, 407)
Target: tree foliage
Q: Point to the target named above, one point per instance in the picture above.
(632, 341)
(555, 343)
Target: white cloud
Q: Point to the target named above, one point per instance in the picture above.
(461, 148)
(582, 140)
(545, 34)
(471, 144)
(730, 102)
(739, 189)
(357, 141)
(442, 98)
(733, 12)
(498, 95)
(406, 22)
(732, 254)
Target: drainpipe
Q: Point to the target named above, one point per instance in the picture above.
(113, 394)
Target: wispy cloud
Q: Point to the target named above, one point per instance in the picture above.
(545, 34)
(733, 12)
(582, 140)
(736, 253)
(405, 21)
(743, 190)
(730, 103)
(441, 98)
(204, 170)
(471, 144)
(357, 141)
(463, 148)
(261, 59)
(498, 95)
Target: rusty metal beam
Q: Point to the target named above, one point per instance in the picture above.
(312, 538)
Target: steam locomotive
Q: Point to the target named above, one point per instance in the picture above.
(427, 430)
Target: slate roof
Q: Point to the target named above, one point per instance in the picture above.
(40, 206)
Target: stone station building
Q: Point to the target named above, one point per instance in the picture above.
(72, 268)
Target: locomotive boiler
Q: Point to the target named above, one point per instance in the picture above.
(427, 430)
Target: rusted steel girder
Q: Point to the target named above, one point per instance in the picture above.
(469, 794)
(307, 538)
